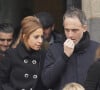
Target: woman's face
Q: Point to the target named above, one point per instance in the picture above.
(35, 39)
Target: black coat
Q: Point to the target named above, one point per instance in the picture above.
(2, 54)
(93, 77)
(60, 70)
(21, 69)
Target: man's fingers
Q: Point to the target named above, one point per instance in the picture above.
(69, 43)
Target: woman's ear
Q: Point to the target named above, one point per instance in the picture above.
(23, 37)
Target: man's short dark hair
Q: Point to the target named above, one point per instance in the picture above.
(46, 19)
(6, 28)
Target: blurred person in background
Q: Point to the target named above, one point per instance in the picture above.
(48, 23)
(93, 76)
(73, 86)
(6, 37)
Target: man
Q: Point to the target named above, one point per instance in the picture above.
(6, 37)
(69, 61)
(47, 21)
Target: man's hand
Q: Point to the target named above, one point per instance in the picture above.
(69, 47)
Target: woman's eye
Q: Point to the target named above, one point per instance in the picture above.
(36, 37)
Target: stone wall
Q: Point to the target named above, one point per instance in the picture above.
(92, 11)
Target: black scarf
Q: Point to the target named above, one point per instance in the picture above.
(83, 43)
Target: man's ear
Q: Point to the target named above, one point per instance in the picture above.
(53, 27)
(85, 28)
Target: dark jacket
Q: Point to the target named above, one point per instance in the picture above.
(60, 70)
(2, 54)
(21, 69)
(93, 77)
(57, 37)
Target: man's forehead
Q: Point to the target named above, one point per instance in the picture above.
(5, 35)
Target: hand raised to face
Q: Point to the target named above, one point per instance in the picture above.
(69, 47)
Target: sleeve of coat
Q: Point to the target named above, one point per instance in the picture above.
(5, 68)
(54, 66)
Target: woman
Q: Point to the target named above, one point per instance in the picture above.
(93, 77)
(21, 68)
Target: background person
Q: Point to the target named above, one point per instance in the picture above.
(73, 86)
(48, 23)
(6, 37)
(93, 76)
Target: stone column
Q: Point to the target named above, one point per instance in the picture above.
(92, 11)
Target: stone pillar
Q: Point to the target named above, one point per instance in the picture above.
(92, 11)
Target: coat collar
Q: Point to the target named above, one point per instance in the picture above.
(83, 44)
(23, 52)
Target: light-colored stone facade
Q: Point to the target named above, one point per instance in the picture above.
(92, 11)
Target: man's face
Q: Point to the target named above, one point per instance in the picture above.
(73, 29)
(5, 40)
(47, 33)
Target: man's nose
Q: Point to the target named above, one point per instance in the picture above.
(5, 42)
(70, 34)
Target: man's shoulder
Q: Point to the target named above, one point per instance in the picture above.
(56, 47)
(11, 51)
(57, 37)
(95, 43)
